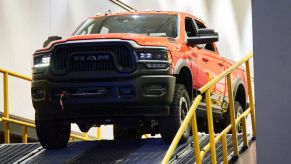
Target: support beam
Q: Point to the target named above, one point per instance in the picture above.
(123, 5)
(272, 57)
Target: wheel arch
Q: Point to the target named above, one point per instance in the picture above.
(239, 93)
(184, 76)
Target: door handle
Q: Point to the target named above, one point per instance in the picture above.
(220, 65)
(205, 59)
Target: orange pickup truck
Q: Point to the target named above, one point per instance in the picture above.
(139, 71)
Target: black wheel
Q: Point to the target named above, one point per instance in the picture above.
(120, 132)
(53, 134)
(178, 111)
(238, 111)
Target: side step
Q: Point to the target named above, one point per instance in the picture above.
(216, 111)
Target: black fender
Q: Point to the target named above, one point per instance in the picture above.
(236, 84)
(180, 64)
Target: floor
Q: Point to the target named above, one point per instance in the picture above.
(249, 156)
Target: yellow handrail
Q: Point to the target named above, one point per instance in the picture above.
(199, 154)
(29, 125)
(15, 74)
(6, 120)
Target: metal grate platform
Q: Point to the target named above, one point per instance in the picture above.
(10, 153)
(188, 157)
(147, 151)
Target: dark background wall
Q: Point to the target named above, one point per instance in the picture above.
(272, 65)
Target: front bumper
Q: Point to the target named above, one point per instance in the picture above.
(143, 96)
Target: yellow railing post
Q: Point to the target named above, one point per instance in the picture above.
(6, 108)
(196, 139)
(244, 128)
(232, 115)
(224, 149)
(24, 134)
(71, 139)
(86, 135)
(210, 127)
(251, 98)
(98, 133)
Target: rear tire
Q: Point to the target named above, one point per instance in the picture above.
(53, 134)
(238, 111)
(120, 132)
(178, 110)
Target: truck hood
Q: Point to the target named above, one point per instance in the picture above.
(140, 39)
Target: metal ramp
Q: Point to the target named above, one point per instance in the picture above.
(147, 151)
(140, 151)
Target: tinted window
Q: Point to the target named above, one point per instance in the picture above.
(199, 24)
(161, 25)
(190, 27)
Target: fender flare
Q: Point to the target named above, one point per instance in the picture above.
(238, 82)
(182, 63)
(179, 65)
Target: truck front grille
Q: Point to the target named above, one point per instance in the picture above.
(92, 57)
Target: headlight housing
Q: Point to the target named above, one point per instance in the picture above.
(154, 58)
(41, 62)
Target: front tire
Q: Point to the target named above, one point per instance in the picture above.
(178, 110)
(53, 134)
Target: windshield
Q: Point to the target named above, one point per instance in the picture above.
(161, 25)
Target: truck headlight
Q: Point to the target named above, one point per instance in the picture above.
(40, 62)
(152, 55)
(154, 59)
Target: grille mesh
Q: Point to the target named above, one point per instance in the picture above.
(93, 57)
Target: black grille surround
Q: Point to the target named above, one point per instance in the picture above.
(98, 57)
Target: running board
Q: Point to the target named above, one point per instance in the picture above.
(217, 111)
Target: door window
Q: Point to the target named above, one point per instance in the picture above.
(190, 28)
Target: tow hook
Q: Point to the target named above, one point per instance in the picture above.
(62, 96)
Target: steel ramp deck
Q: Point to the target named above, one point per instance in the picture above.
(147, 151)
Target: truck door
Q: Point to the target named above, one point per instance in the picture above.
(216, 64)
(212, 66)
(199, 69)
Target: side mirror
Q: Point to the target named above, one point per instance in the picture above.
(204, 36)
(50, 39)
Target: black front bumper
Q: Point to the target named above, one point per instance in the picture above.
(143, 96)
